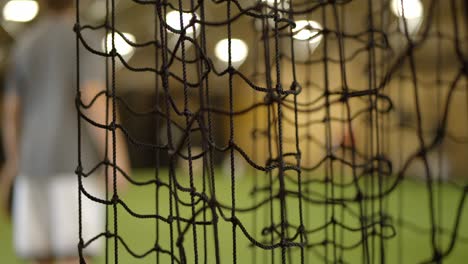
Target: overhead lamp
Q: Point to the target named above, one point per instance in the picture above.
(407, 8)
(20, 10)
(173, 20)
(122, 47)
(239, 51)
(307, 30)
(306, 37)
(280, 3)
(409, 13)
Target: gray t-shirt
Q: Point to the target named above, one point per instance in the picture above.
(43, 74)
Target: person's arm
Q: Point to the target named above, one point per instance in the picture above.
(97, 113)
(10, 124)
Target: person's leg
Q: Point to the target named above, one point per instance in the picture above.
(64, 199)
(30, 220)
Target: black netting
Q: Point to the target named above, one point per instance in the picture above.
(329, 130)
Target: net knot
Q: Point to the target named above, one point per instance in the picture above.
(298, 155)
(192, 22)
(76, 28)
(79, 170)
(359, 196)
(212, 202)
(215, 218)
(371, 43)
(180, 241)
(170, 219)
(158, 183)
(271, 98)
(422, 153)
(301, 229)
(113, 52)
(231, 70)
(325, 31)
(157, 247)
(465, 67)
(112, 126)
(296, 87)
(279, 88)
(235, 221)
(344, 97)
(115, 199)
(204, 197)
(165, 71)
(285, 243)
(437, 256)
(187, 112)
(440, 134)
(281, 194)
(81, 244)
(108, 234)
(276, 17)
(108, 93)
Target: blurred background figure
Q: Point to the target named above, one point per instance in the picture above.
(40, 134)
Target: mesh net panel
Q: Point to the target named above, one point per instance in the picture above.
(345, 116)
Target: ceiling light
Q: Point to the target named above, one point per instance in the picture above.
(281, 3)
(307, 30)
(306, 37)
(20, 10)
(173, 20)
(239, 50)
(410, 8)
(122, 47)
(191, 31)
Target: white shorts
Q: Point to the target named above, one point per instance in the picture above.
(45, 217)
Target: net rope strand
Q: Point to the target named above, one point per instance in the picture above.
(79, 167)
(106, 147)
(314, 196)
(157, 59)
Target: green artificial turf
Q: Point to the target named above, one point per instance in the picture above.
(410, 201)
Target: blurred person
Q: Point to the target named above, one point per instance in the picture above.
(40, 139)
